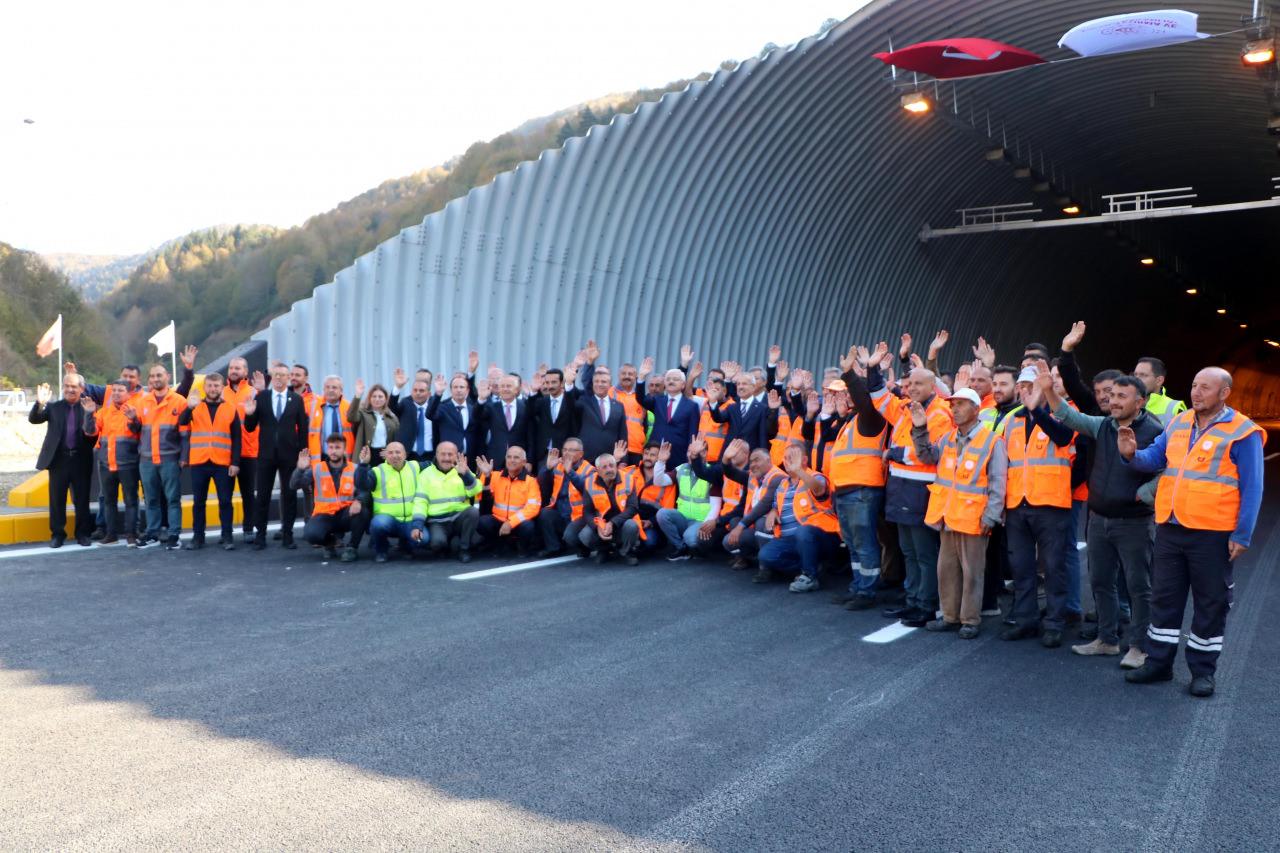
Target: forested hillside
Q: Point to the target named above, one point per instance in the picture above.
(32, 294)
(223, 285)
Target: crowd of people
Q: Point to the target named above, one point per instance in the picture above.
(938, 492)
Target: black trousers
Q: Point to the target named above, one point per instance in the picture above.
(1195, 560)
(1043, 530)
(326, 529)
(123, 479)
(998, 570)
(525, 535)
(551, 525)
(72, 471)
(200, 476)
(269, 471)
(247, 480)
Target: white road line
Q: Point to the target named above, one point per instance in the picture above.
(519, 567)
(1270, 456)
(888, 634)
(72, 548)
(1080, 546)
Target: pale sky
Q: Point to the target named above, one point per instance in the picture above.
(155, 119)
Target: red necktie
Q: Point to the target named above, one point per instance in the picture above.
(671, 408)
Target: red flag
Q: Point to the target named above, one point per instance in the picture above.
(52, 339)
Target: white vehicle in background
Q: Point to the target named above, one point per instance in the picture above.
(14, 401)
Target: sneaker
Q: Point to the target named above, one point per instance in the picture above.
(193, 545)
(131, 541)
(1202, 686)
(1051, 639)
(1149, 673)
(677, 556)
(942, 625)
(109, 540)
(803, 583)
(861, 602)
(379, 558)
(330, 553)
(1097, 647)
(1019, 632)
(740, 564)
(992, 611)
(762, 575)
(348, 555)
(968, 632)
(1133, 659)
(172, 543)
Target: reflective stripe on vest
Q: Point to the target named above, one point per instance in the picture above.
(713, 434)
(161, 435)
(635, 416)
(694, 498)
(857, 460)
(514, 500)
(327, 501)
(441, 494)
(575, 497)
(1200, 486)
(395, 500)
(988, 418)
(958, 497)
(896, 411)
(1039, 470)
(806, 508)
(211, 437)
(315, 426)
(599, 496)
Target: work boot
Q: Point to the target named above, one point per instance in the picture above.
(348, 554)
(762, 575)
(861, 602)
(968, 632)
(1097, 647)
(110, 540)
(898, 612)
(1019, 632)
(1051, 639)
(1133, 658)
(917, 618)
(1149, 673)
(940, 625)
(1202, 686)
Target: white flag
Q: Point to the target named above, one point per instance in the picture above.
(52, 339)
(1132, 31)
(165, 339)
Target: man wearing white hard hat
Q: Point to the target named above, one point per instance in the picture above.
(965, 502)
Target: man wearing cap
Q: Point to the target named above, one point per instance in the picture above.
(966, 502)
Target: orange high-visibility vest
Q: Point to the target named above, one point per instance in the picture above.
(117, 442)
(575, 497)
(897, 412)
(328, 500)
(756, 488)
(515, 500)
(959, 496)
(161, 433)
(599, 496)
(211, 437)
(1200, 486)
(1039, 470)
(855, 459)
(635, 413)
(248, 437)
(663, 496)
(713, 434)
(778, 444)
(316, 426)
(731, 493)
(807, 509)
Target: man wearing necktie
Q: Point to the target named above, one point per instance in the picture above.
(506, 420)
(675, 417)
(280, 419)
(456, 418)
(554, 415)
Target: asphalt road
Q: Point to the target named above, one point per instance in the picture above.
(163, 700)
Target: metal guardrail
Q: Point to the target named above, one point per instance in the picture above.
(997, 213)
(1149, 200)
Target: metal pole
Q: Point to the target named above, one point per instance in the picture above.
(60, 361)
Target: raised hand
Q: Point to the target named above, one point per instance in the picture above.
(879, 354)
(620, 449)
(1073, 337)
(904, 346)
(797, 380)
(775, 353)
(193, 400)
(130, 413)
(592, 351)
(730, 369)
(696, 370)
(812, 405)
(963, 373)
(1044, 377)
(87, 403)
(43, 394)
(686, 355)
(259, 381)
(553, 458)
(398, 377)
(1030, 396)
(736, 447)
(484, 466)
(461, 465)
(304, 460)
(918, 417)
(1126, 442)
(939, 341)
(697, 447)
(664, 452)
(774, 399)
(916, 361)
(984, 353)
(570, 374)
(440, 384)
(782, 371)
(188, 357)
(828, 405)
(482, 389)
(251, 405)
(366, 454)
(69, 367)
(850, 358)
(473, 362)
(359, 387)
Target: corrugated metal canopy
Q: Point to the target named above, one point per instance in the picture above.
(781, 201)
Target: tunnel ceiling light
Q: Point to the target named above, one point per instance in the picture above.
(1258, 52)
(915, 102)
(1071, 209)
(1222, 310)
(1244, 325)
(1192, 291)
(1147, 262)
(1273, 343)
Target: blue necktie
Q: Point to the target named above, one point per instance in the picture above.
(420, 446)
(334, 426)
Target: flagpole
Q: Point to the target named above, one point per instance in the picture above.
(60, 361)
(174, 354)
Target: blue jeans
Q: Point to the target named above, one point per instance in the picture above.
(164, 478)
(383, 527)
(802, 551)
(1071, 551)
(920, 547)
(859, 511)
(680, 531)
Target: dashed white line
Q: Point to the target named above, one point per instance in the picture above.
(70, 547)
(518, 567)
(888, 634)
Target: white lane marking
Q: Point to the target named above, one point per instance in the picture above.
(888, 634)
(1080, 546)
(1270, 456)
(70, 547)
(519, 567)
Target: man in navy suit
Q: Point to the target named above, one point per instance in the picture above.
(415, 431)
(751, 418)
(507, 420)
(555, 416)
(457, 419)
(602, 422)
(675, 417)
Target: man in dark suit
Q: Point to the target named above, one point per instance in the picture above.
(67, 454)
(752, 418)
(416, 431)
(675, 417)
(457, 418)
(602, 422)
(555, 416)
(281, 418)
(507, 420)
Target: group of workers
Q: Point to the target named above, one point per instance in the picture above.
(945, 490)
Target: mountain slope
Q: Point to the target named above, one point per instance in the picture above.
(93, 275)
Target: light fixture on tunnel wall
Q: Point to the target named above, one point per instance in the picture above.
(1259, 53)
(1147, 262)
(1071, 209)
(1244, 325)
(916, 102)
(1191, 291)
(1222, 310)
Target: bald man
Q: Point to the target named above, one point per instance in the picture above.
(1206, 507)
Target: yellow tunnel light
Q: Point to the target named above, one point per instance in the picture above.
(1147, 262)
(1259, 52)
(1244, 325)
(914, 102)
(1071, 209)
(1192, 291)
(1222, 310)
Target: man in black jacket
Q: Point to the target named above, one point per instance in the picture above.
(67, 454)
(281, 418)
(457, 419)
(506, 419)
(602, 422)
(415, 431)
(555, 415)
